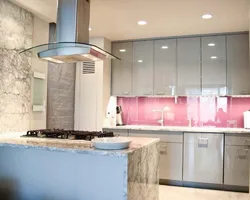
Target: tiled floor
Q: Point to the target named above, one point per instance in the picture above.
(181, 193)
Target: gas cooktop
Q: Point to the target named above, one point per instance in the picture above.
(67, 134)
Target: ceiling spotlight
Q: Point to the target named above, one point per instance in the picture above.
(90, 29)
(207, 16)
(140, 61)
(142, 23)
(213, 57)
(122, 50)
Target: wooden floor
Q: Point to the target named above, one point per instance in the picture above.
(182, 193)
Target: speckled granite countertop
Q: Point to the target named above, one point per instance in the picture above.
(182, 129)
(74, 146)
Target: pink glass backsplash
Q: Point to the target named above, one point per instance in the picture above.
(197, 111)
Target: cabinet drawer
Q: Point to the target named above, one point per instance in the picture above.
(237, 140)
(163, 135)
(118, 132)
(211, 139)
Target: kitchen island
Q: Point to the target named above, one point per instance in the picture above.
(54, 169)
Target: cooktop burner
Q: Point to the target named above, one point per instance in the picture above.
(67, 134)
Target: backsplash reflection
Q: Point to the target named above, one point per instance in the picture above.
(185, 111)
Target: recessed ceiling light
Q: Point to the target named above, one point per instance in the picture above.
(213, 57)
(140, 61)
(211, 44)
(207, 16)
(142, 23)
(164, 47)
(90, 29)
(122, 50)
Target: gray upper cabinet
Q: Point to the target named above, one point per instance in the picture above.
(165, 67)
(238, 64)
(214, 79)
(207, 65)
(122, 69)
(189, 61)
(142, 73)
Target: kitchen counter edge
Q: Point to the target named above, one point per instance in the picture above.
(73, 146)
(182, 129)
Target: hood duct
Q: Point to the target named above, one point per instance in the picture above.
(72, 36)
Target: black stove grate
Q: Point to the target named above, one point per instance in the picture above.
(67, 134)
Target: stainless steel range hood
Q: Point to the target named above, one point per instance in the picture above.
(72, 36)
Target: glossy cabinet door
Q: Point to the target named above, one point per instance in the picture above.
(214, 70)
(122, 69)
(236, 164)
(171, 161)
(170, 152)
(236, 167)
(203, 158)
(238, 73)
(165, 67)
(142, 73)
(189, 64)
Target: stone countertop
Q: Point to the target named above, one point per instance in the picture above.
(74, 146)
(181, 129)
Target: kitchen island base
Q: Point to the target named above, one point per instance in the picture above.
(52, 173)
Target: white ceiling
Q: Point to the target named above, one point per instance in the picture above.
(117, 19)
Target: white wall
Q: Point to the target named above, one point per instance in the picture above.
(40, 36)
(93, 92)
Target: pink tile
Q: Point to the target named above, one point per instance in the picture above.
(202, 111)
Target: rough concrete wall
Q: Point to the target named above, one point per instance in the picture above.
(15, 69)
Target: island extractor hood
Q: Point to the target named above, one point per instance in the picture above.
(72, 36)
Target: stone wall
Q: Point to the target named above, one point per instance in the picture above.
(15, 69)
(61, 96)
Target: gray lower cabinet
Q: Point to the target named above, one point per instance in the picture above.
(170, 152)
(236, 164)
(171, 161)
(203, 158)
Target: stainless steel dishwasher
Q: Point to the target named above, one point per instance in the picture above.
(203, 158)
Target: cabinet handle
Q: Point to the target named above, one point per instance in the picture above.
(159, 93)
(242, 153)
(247, 143)
(163, 151)
(126, 93)
(203, 142)
(147, 93)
